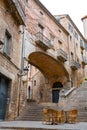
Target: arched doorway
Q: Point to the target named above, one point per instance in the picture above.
(57, 86)
(29, 92)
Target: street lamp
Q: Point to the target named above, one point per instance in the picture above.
(24, 72)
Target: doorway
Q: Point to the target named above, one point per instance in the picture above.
(3, 96)
(57, 86)
(29, 92)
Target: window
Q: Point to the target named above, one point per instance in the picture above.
(34, 82)
(41, 12)
(70, 38)
(81, 41)
(59, 30)
(59, 41)
(85, 45)
(7, 46)
(75, 35)
(1, 45)
(70, 27)
(82, 54)
(40, 28)
(60, 44)
(52, 39)
(71, 55)
(78, 60)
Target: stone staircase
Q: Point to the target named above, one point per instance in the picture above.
(32, 112)
(78, 100)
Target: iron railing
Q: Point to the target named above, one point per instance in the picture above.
(42, 40)
(84, 60)
(74, 64)
(62, 55)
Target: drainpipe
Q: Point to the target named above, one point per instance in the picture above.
(69, 52)
(22, 61)
(74, 50)
(69, 47)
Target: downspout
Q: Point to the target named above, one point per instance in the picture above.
(69, 59)
(75, 58)
(69, 48)
(22, 60)
(74, 50)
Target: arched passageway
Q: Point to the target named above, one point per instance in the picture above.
(48, 65)
(52, 69)
(57, 86)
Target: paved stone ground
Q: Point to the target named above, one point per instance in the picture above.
(37, 125)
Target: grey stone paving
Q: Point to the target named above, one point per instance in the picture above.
(38, 125)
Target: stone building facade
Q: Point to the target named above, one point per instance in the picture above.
(77, 48)
(54, 55)
(11, 18)
(44, 56)
(55, 52)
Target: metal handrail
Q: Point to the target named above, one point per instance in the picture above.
(75, 63)
(40, 36)
(63, 53)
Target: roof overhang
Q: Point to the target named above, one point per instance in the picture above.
(16, 10)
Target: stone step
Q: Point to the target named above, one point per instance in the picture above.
(78, 100)
(29, 119)
(82, 119)
(32, 112)
(30, 116)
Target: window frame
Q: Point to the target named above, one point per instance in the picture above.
(7, 44)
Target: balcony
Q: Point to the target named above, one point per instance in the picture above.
(61, 55)
(15, 8)
(82, 45)
(75, 65)
(42, 41)
(84, 60)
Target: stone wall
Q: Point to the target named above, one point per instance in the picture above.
(10, 65)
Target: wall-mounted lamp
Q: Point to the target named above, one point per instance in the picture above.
(24, 72)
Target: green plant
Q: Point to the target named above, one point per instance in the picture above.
(85, 78)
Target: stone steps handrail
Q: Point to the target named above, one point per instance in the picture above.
(69, 92)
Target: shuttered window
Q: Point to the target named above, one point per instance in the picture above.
(7, 45)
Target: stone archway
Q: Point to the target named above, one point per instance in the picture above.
(50, 67)
(57, 86)
(44, 61)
